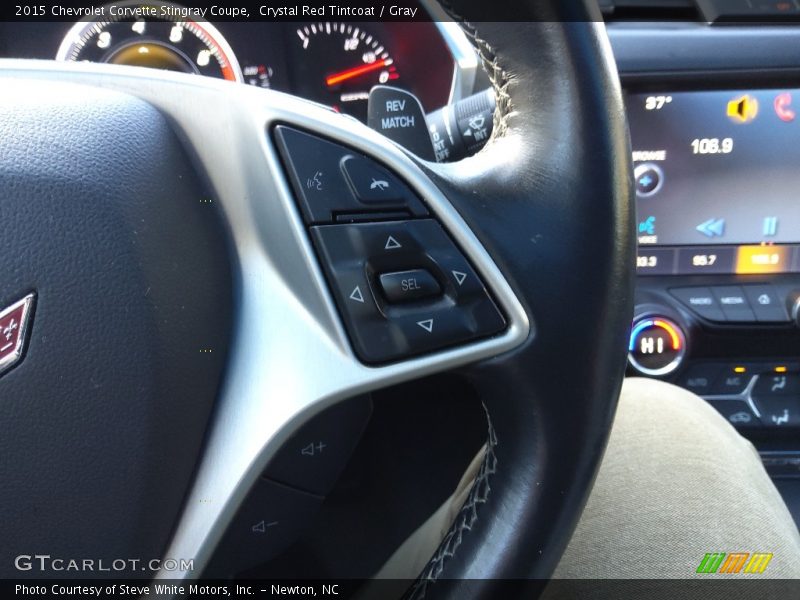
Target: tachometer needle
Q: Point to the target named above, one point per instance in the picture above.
(341, 76)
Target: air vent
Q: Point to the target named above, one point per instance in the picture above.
(650, 10)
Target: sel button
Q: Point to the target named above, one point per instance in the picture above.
(406, 286)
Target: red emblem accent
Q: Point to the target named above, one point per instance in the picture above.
(13, 326)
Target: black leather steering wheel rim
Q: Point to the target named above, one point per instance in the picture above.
(550, 217)
(550, 197)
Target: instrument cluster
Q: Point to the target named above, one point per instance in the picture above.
(332, 62)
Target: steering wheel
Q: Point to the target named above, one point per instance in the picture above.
(182, 326)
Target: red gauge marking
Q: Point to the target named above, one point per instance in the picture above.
(336, 78)
(228, 71)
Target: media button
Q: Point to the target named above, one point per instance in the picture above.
(734, 304)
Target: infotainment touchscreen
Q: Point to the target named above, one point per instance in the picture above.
(717, 177)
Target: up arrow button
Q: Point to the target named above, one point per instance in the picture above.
(392, 244)
(357, 296)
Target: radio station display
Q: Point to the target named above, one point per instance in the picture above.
(717, 181)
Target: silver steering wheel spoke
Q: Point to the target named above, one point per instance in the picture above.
(290, 356)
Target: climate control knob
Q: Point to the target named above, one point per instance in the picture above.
(657, 346)
(794, 308)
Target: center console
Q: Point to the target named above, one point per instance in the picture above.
(717, 175)
(718, 295)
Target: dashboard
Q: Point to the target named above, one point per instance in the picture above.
(714, 130)
(331, 62)
(716, 180)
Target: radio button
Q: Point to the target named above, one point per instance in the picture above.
(734, 304)
(700, 301)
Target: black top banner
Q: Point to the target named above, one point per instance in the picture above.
(244, 10)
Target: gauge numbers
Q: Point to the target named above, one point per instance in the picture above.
(340, 62)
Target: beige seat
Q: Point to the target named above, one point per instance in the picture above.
(676, 482)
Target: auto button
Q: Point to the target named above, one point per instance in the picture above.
(700, 378)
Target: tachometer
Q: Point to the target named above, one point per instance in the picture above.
(340, 62)
(140, 34)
